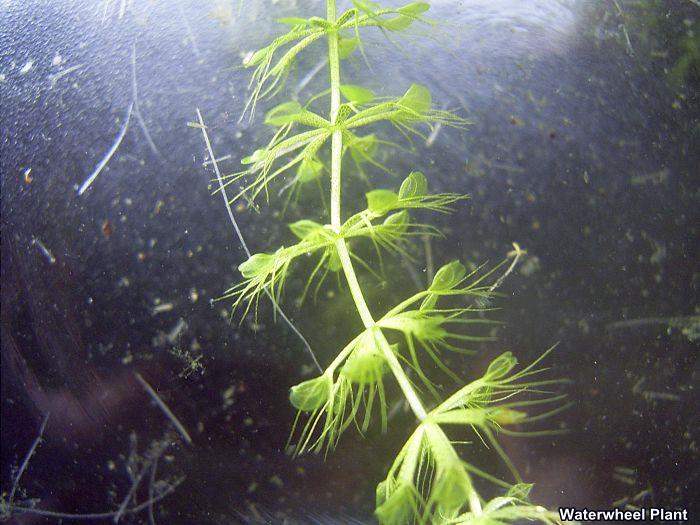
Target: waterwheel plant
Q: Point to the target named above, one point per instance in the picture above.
(428, 481)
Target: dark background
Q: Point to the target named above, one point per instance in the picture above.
(583, 148)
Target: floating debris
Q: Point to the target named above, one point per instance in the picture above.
(26, 67)
(661, 396)
(658, 177)
(659, 254)
(433, 134)
(43, 249)
(162, 308)
(209, 161)
(53, 79)
(175, 332)
(650, 395)
(228, 396)
(107, 229)
(625, 475)
(191, 358)
(531, 265)
(109, 4)
(10, 507)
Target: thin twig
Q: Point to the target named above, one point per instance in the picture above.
(101, 515)
(151, 490)
(161, 404)
(630, 50)
(433, 134)
(516, 253)
(159, 449)
(25, 463)
(220, 159)
(132, 490)
(137, 110)
(109, 154)
(188, 28)
(44, 250)
(310, 76)
(239, 234)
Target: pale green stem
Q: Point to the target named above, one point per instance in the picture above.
(343, 254)
(337, 137)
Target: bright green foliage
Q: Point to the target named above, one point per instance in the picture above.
(270, 270)
(343, 394)
(312, 394)
(285, 151)
(428, 479)
(428, 482)
(357, 94)
(512, 506)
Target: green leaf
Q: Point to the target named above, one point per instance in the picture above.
(293, 21)
(366, 5)
(312, 394)
(415, 185)
(362, 149)
(501, 366)
(448, 276)
(356, 94)
(309, 169)
(397, 221)
(400, 507)
(256, 58)
(257, 156)
(507, 416)
(320, 22)
(520, 491)
(344, 111)
(423, 326)
(381, 201)
(429, 302)
(346, 47)
(333, 263)
(408, 14)
(417, 98)
(451, 488)
(257, 264)
(366, 363)
(283, 113)
(414, 8)
(305, 228)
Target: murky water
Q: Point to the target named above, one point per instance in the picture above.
(582, 147)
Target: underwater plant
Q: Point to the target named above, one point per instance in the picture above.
(428, 481)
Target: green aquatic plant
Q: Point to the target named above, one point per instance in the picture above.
(428, 481)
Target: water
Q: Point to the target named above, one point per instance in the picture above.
(583, 148)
